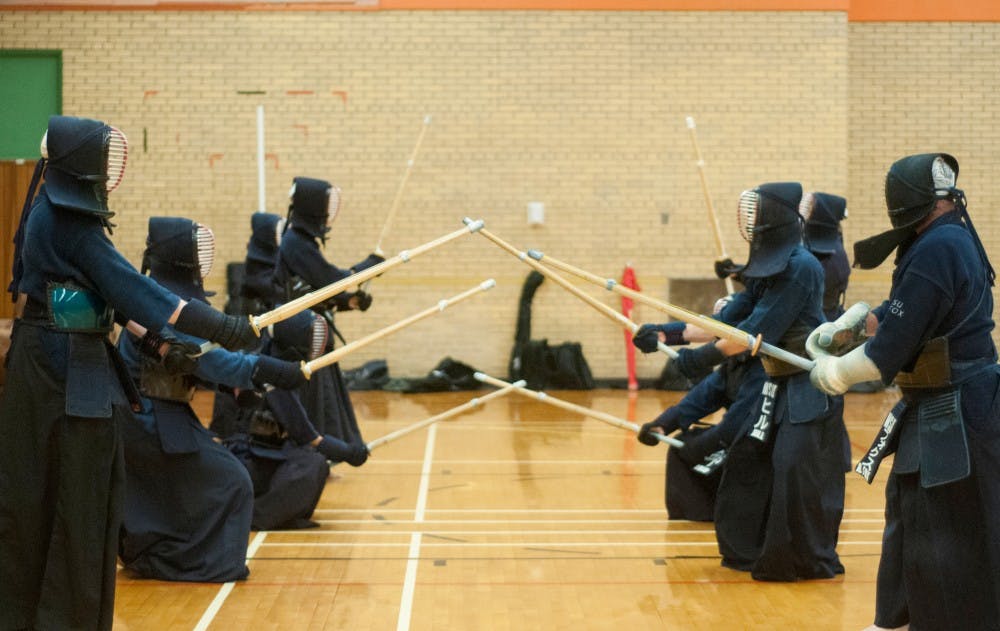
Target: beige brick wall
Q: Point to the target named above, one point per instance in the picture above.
(584, 111)
(916, 88)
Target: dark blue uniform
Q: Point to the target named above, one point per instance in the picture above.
(188, 500)
(781, 497)
(325, 396)
(735, 385)
(940, 565)
(836, 271)
(61, 468)
(288, 478)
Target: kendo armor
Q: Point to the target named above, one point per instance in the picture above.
(913, 186)
(258, 290)
(85, 160)
(769, 221)
(313, 205)
(265, 237)
(822, 213)
(179, 254)
(303, 337)
(915, 183)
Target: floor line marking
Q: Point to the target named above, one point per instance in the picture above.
(536, 511)
(519, 544)
(410, 579)
(227, 588)
(669, 525)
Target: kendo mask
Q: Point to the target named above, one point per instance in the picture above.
(265, 237)
(85, 161)
(822, 213)
(302, 337)
(82, 160)
(179, 255)
(313, 205)
(913, 186)
(769, 220)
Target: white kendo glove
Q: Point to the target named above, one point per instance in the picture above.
(843, 334)
(834, 375)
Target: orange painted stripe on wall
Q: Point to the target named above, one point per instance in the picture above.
(623, 5)
(857, 10)
(924, 11)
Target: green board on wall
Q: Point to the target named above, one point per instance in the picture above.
(30, 92)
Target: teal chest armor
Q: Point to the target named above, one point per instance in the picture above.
(96, 377)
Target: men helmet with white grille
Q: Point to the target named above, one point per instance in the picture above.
(179, 255)
(913, 186)
(822, 213)
(313, 205)
(769, 221)
(302, 337)
(85, 160)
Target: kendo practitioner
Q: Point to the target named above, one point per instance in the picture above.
(282, 451)
(67, 395)
(257, 295)
(822, 236)
(301, 268)
(188, 501)
(693, 471)
(258, 292)
(940, 563)
(781, 496)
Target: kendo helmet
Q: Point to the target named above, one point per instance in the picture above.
(302, 337)
(913, 186)
(85, 160)
(768, 218)
(822, 213)
(179, 255)
(265, 237)
(313, 205)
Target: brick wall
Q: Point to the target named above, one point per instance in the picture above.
(584, 111)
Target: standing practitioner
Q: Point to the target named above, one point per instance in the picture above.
(301, 268)
(822, 236)
(61, 467)
(781, 497)
(188, 501)
(940, 564)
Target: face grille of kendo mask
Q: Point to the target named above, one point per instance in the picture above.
(332, 203)
(806, 206)
(319, 337)
(943, 176)
(204, 240)
(117, 155)
(279, 229)
(746, 213)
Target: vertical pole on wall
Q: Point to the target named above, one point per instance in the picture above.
(261, 203)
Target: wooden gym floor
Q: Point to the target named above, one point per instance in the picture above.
(517, 515)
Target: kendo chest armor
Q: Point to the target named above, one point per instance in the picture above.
(72, 309)
(794, 341)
